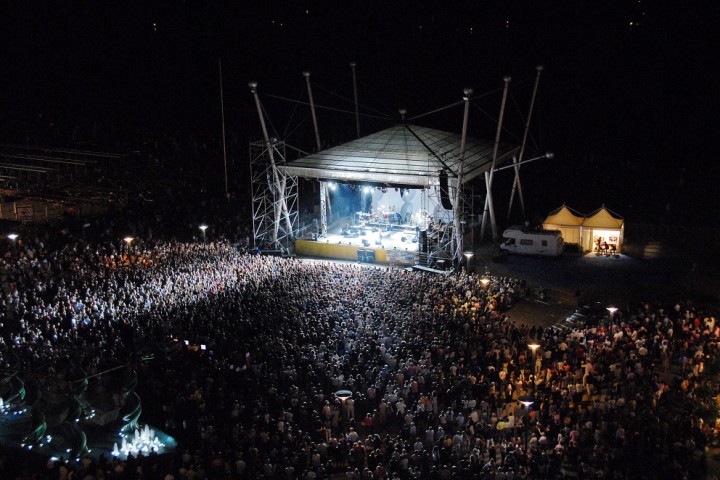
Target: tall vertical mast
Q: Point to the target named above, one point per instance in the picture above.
(222, 114)
(306, 74)
(458, 204)
(323, 184)
(355, 92)
(489, 209)
(517, 160)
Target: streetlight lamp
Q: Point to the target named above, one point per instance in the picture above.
(468, 256)
(611, 311)
(128, 240)
(203, 227)
(533, 347)
(343, 395)
(13, 237)
(527, 401)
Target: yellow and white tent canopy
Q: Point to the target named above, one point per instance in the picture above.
(585, 230)
(568, 222)
(605, 226)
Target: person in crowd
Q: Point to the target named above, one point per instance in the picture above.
(440, 374)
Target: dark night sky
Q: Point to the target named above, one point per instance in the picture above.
(629, 110)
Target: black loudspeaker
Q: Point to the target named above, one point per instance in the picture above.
(444, 194)
(423, 241)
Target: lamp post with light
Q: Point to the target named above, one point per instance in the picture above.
(527, 401)
(128, 241)
(533, 347)
(203, 227)
(13, 237)
(611, 311)
(343, 395)
(468, 256)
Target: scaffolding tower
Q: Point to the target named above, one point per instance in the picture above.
(437, 224)
(274, 196)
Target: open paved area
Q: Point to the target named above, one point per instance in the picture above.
(613, 279)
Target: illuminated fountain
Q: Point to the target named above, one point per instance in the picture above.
(144, 442)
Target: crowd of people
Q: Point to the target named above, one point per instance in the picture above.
(316, 370)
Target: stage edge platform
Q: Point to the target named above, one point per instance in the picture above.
(326, 248)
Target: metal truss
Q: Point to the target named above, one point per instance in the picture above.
(442, 237)
(274, 198)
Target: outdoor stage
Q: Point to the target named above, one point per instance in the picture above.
(365, 238)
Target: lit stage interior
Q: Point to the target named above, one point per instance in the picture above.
(377, 225)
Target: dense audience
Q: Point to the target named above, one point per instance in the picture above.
(443, 383)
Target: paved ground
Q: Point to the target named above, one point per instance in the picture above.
(614, 279)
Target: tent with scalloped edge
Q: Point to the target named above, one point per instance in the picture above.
(603, 226)
(568, 221)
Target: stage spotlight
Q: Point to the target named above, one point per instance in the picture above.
(332, 185)
(366, 189)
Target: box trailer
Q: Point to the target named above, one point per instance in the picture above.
(528, 241)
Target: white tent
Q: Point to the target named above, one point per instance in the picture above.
(569, 222)
(603, 226)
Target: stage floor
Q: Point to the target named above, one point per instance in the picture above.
(372, 235)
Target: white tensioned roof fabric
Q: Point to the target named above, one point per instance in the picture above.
(402, 155)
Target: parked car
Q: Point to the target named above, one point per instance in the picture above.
(587, 316)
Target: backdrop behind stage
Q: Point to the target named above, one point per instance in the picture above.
(402, 201)
(409, 203)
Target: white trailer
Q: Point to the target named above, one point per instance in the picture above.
(527, 241)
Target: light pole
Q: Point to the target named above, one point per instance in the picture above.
(611, 311)
(468, 256)
(526, 400)
(13, 237)
(128, 240)
(533, 347)
(343, 395)
(203, 227)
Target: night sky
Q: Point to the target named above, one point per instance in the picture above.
(628, 100)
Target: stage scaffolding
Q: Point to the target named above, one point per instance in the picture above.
(274, 197)
(439, 223)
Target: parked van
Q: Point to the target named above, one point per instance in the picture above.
(527, 241)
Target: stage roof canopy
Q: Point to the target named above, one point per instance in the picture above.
(402, 155)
